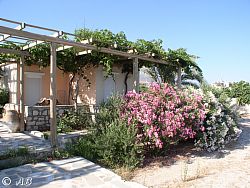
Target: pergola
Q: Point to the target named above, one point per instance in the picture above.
(23, 34)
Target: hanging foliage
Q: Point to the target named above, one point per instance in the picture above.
(69, 61)
(7, 57)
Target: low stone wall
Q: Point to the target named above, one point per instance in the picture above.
(37, 117)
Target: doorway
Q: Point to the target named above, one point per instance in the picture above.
(32, 88)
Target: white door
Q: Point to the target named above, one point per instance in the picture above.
(33, 89)
(109, 87)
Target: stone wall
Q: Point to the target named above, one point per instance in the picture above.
(37, 117)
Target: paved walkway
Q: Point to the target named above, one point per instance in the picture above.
(10, 140)
(69, 173)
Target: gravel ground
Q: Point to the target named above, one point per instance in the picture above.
(225, 169)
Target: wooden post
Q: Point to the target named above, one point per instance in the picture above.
(21, 102)
(136, 75)
(53, 132)
(179, 77)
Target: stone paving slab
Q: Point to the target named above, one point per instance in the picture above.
(32, 139)
(69, 173)
(9, 141)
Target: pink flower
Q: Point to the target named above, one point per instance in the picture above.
(163, 114)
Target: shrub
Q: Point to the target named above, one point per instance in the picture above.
(12, 153)
(108, 112)
(220, 122)
(239, 90)
(4, 97)
(112, 142)
(164, 115)
(73, 121)
(117, 145)
(85, 147)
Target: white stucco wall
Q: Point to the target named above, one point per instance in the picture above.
(100, 88)
(118, 85)
(13, 86)
(99, 84)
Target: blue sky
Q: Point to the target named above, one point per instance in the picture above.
(218, 31)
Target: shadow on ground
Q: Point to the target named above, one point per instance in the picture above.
(187, 150)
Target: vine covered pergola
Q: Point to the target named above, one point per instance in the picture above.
(25, 37)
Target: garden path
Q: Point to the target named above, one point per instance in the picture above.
(9, 141)
(228, 168)
(69, 173)
(74, 172)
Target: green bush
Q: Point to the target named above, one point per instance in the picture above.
(239, 90)
(73, 121)
(112, 142)
(4, 98)
(108, 112)
(85, 147)
(115, 146)
(12, 153)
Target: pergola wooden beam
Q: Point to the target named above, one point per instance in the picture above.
(136, 74)
(6, 36)
(35, 36)
(32, 44)
(12, 51)
(87, 41)
(84, 52)
(53, 94)
(21, 102)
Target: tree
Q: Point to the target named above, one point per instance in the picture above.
(182, 69)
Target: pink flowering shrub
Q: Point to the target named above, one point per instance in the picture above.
(164, 115)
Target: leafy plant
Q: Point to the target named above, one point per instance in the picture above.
(239, 90)
(4, 96)
(11, 153)
(61, 154)
(191, 72)
(115, 146)
(85, 147)
(143, 87)
(119, 145)
(73, 121)
(112, 142)
(108, 112)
